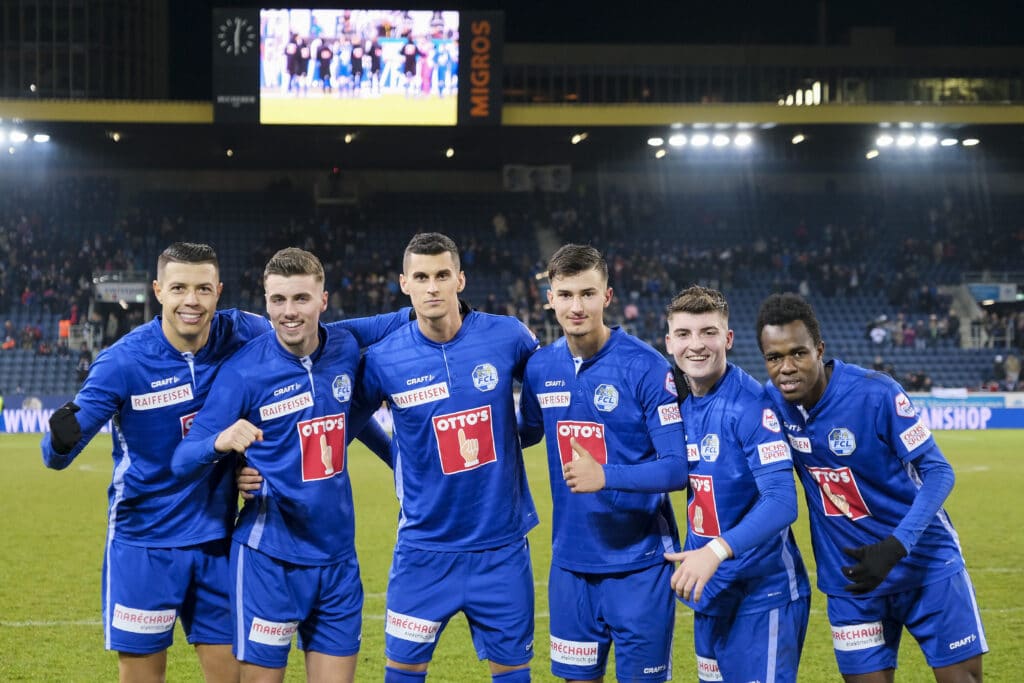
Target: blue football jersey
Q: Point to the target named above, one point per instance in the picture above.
(621, 407)
(303, 513)
(733, 436)
(855, 453)
(459, 473)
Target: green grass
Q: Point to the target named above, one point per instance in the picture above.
(53, 526)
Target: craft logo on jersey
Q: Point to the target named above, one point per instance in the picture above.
(186, 423)
(322, 441)
(841, 441)
(769, 421)
(840, 496)
(903, 406)
(485, 377)
(709, 448)
(701, 510)
(670, 384)
(465, 440)
(590, 435)
(341, 387)
(606, 398)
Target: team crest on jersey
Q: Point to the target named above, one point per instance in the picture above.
(342, 388)
(670, 384)
(606, 398)
(769, 421)
(709, 448)
(841, 441)
(485, 377)
(903, 406)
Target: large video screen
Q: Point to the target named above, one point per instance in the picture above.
(359, 66)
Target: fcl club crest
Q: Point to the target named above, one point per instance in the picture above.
(606, 398)
(841, 441)
(485, 377)
(342, 388)
(709, 448)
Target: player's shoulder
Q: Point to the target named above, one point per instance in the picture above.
(863, 382)
(254, 352)
(497, 321)
(630, 349)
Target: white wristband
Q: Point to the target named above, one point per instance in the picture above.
(718, 549)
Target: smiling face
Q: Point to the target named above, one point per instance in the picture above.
(188, 294)
(294, 305)
(794, 362)
(698, 342)
(578, 301)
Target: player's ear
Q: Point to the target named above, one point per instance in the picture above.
(462, 280)
(402, 283)
(608, 297)
(157, 290)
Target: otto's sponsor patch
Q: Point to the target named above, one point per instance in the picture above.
(669, 414)
(186, 423)
(773, 451)
(142, 620)
(277, 633)
(857, 637)
(707, 669)
(411, 628)
(903, 406)
(554, 399)
(841, 441)
(800, 443)
(701, 510)
(322, 441)
(573, 652)
(421, 396)
(292, 404)
(590, 435)
(769, 421)
(161, 399)
(465, 440)
(840, 495)
(915, 436)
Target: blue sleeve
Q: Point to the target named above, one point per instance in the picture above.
(224, 405)
(368, 430)
(527, 345)
(531, 422)
(774, 510)
(102, 395)
(937, 480)
(669, 472)
(372, 329)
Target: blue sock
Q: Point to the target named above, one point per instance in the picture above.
(514, 676)
(392, 675)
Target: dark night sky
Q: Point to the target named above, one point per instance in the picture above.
(915, 22)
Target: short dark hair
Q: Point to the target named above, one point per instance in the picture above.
(294, 261)
(782, 309)
(571, 259)
(431, 244)
(696, 299)
(187, 252)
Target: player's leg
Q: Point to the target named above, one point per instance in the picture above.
(945, 620)
(639, 608)
(264, 613)
(579, 640)
(425, 589)
(142, 590)
(761, 646)
(206, 612)
(330, 635)
(865, 637)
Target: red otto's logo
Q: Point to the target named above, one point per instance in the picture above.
(590, 435)
(322, 441)
(839, 493)
(701, 510)
(186, 423)
(465, 440)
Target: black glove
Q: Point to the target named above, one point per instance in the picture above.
(65, 431)
(875, 562)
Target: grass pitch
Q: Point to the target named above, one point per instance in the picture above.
(53, 530)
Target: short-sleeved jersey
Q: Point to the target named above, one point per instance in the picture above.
(153, 391)
(733, 436)
(303, 514)
(459, 473)
(620, 407)
(855, 453)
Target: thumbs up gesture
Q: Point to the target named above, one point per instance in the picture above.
(582, 474)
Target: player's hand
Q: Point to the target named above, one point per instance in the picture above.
(65, 431)
(238, 437)
(248, 480)
(696, 567)
(875, 563)
(582, 474)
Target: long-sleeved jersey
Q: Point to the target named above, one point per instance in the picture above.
(734, 442)
(620, 406)
(303, 513)
(861, 453)
(153, 392)
(459, 473)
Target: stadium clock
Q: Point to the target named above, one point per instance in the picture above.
(236, 36)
